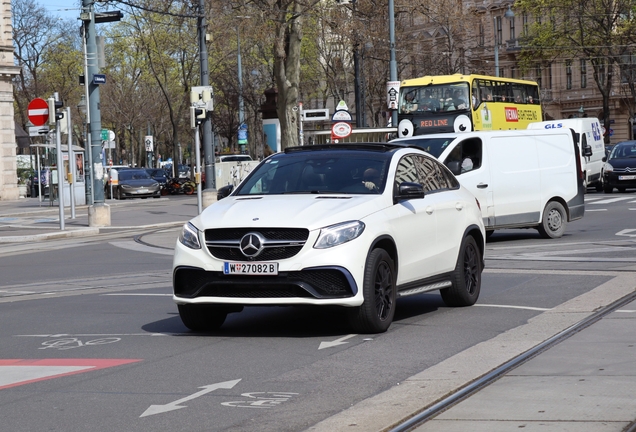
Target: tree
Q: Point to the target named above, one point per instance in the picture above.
(599, 31)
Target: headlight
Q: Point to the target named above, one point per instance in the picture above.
(189, 236)
(608, 167)
(338, 234)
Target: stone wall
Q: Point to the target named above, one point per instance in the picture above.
(8, 164)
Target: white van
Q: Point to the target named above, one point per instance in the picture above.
(591, 146)
(522, 178)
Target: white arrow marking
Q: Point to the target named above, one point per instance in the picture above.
(158, 409)
(626, 232)
(337, 342)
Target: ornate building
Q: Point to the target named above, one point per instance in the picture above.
(8, 165)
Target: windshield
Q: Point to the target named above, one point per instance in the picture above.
(433, 146)
(623, 151)
(340, 171)
(133, 175)
(434, 98)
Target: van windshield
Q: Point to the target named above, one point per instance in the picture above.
(434, 146)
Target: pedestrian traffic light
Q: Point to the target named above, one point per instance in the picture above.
(54, 105)
(197, 115)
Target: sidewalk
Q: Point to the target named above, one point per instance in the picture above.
(28, 219)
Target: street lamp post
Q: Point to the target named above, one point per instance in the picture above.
(393, 62)
(510, 15)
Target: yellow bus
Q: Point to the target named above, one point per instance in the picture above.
(461, 103)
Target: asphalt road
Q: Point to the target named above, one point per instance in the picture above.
(90, 337)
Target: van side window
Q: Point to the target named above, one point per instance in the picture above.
(467, 155)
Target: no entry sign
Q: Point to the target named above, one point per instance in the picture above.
(38, 111)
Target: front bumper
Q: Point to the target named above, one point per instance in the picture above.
(619, 179)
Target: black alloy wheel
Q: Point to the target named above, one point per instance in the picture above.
(375, 315)
(466, 282)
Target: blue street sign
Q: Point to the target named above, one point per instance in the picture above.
(99, 79)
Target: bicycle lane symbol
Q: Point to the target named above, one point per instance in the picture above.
(72, 342)
(261, 400)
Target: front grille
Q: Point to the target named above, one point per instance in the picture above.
(224, 243)
(319, 283)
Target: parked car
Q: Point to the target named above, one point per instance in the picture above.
(158, 174)
(619, 170)
(234, 158)
(351, 225)
(133, 182)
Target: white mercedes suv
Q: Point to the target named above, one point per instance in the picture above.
(351, 225)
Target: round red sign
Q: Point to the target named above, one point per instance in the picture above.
(38, 111)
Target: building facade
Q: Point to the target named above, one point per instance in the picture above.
(8, 164)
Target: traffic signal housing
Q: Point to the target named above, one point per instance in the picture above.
(197, 115)
(54, 105)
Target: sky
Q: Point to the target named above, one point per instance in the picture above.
(63, 8)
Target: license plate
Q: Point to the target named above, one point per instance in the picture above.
(142, 191)
(251, 268)
(627, 177)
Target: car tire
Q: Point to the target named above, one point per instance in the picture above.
(621, 190)
(118, 195)
(201, 318)
(375, 315)
(608, 189)
(466, 280)
(554, 220)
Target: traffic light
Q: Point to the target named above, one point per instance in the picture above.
(197, 115)
(54, 105)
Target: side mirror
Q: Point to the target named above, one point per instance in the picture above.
(407, 191)
(604, 159)
(224, 191)
(587, 151)
(454, 167)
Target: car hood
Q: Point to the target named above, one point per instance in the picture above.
(623, 163)
(310, 211)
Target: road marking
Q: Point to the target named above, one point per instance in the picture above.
(158, 409)
(16, 372)
(138, 247)
(336, 342)
(261, 400)
(627, 233)
(60, 335)
(611, 200)
(514, 307)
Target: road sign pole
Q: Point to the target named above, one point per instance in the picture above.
(60, 167)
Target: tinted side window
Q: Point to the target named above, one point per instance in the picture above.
(431, 175)
(406, 171)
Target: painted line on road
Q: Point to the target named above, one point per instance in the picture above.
(611, 200)
(134, 246)
(16, 372)
(514, 307)
(58, 335)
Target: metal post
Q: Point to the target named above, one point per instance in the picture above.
(197, 167)
(208, 146)
(240, 83)
(393, 61)
(88, 149)
(71, 161)
(60, 167)
(301, 132)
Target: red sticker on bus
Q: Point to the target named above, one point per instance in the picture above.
(511, 114)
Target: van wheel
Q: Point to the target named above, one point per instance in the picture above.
(554, 220)
(466, 277)
(376, 312)
(201, 318)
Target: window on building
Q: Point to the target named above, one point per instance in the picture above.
(549, 83)
(499, 35)
(513, 72)
(538, 76)
(583, 74)
(482, 35)
(526, 24)
(568, 74)
(512, 29)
